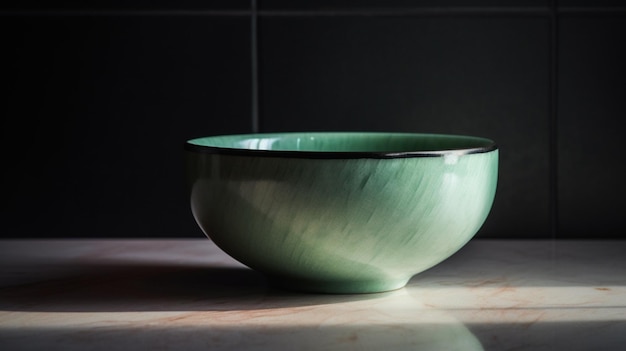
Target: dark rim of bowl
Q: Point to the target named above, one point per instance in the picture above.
(492, 146)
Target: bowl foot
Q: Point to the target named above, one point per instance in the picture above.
(339, 286)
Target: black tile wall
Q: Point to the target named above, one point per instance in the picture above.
(391, 4)
(95, 113)
(591, 3)
(592, 108)
(124, 5)
(98, 97)
(468, 76)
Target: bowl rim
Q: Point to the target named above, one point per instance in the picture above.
(192, 146)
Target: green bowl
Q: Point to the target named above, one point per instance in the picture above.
(341, 212)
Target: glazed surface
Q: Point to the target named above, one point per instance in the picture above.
(344, 143)
(341, 225)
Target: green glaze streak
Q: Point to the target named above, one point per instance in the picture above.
(341, 225)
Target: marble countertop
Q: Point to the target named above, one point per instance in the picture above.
(188, 295)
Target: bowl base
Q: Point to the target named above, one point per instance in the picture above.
(338, 287)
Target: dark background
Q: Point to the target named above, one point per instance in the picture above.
(98, 98)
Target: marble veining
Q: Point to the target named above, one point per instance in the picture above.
(187, 294)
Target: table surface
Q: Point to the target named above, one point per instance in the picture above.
(187, 294)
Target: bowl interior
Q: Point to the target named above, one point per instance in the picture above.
(347, 142)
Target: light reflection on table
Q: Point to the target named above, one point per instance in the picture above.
(187, 294)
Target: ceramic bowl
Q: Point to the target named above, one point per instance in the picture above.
(341, 212)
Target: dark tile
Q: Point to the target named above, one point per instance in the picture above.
(39, 5)
(591, 3)
(390, 4)
(96, 113)
(484, 77)
(592, 107)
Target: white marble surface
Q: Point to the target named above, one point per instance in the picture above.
(188, 295)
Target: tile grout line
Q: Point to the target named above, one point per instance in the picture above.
(553, 120)
(425, 11)
(254, 61)
(130, 13)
